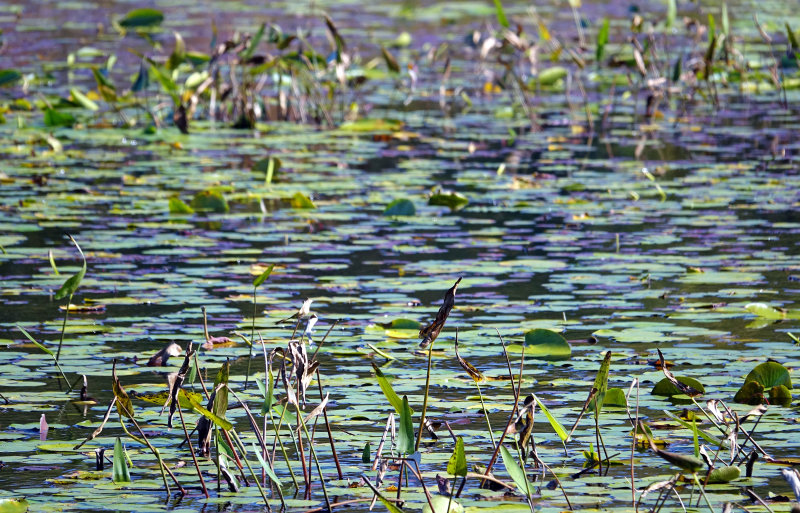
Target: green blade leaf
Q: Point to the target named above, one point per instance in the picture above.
(388, 391)
(365, 454)
(267, 469)
(37, 344)
(601, 383)
(263, 276)
(602, 40)
(501, 14)
(71, 285)
(219, 421)
(457, 465)
(556, 425)
(120, 468)
(514, 470)
(83, 100)
(405, 436)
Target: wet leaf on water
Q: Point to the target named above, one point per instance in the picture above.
(120, 465)
(83, 100)
(452, 200)
(400, 207)
(546, 344)
(300, 200)
(210, 200)
(9, 76)
(441, 505)
(780, 395)
(752, 392)
(371, 125)
(13, 505)
(724, 474)
(138, 18)
(55, 118)
(665, 387)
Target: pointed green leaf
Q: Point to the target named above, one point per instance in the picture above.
(501, 14)
(388, 391)
(602, 40)
(263, 276)
(405, 436)
(457, 465)
(300, 200)
(178, 206)
(601, 383)
(556, 425)
(365, 454)
(267, 469)
(71, 285)
(37, 344)
(120, 466)
(216, 419)
(516, 473)
(83, 100)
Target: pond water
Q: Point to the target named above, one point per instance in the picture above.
(625, 232)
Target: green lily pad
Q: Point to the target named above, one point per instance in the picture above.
(665, 388)
(400, 207)
(452, 200)
(210, 200)
(546, 345)
(770, 374)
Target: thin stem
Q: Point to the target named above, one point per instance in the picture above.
(485, 413)
(63, 328)
(425, 400)
(313, 455)
(194, 458)
(252, 338)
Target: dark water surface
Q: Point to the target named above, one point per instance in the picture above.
(642, 233)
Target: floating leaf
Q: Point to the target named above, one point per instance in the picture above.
(269, 166)
(210, 200)
(300, 200)
(780, 395)
(752, 392)
(457, 465)
(442, 504)
(405, 435)
(452, 200)
(769, 312)
(403, 324)
(724, 474)
(9, 76)
(142, 18)
(665, 387)
(83, 100)
(371, 125)
(400, 207)
(546, 345)
(770, 374)
(550, 76)
(120, 469)
(13, 505)
(54, 117)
